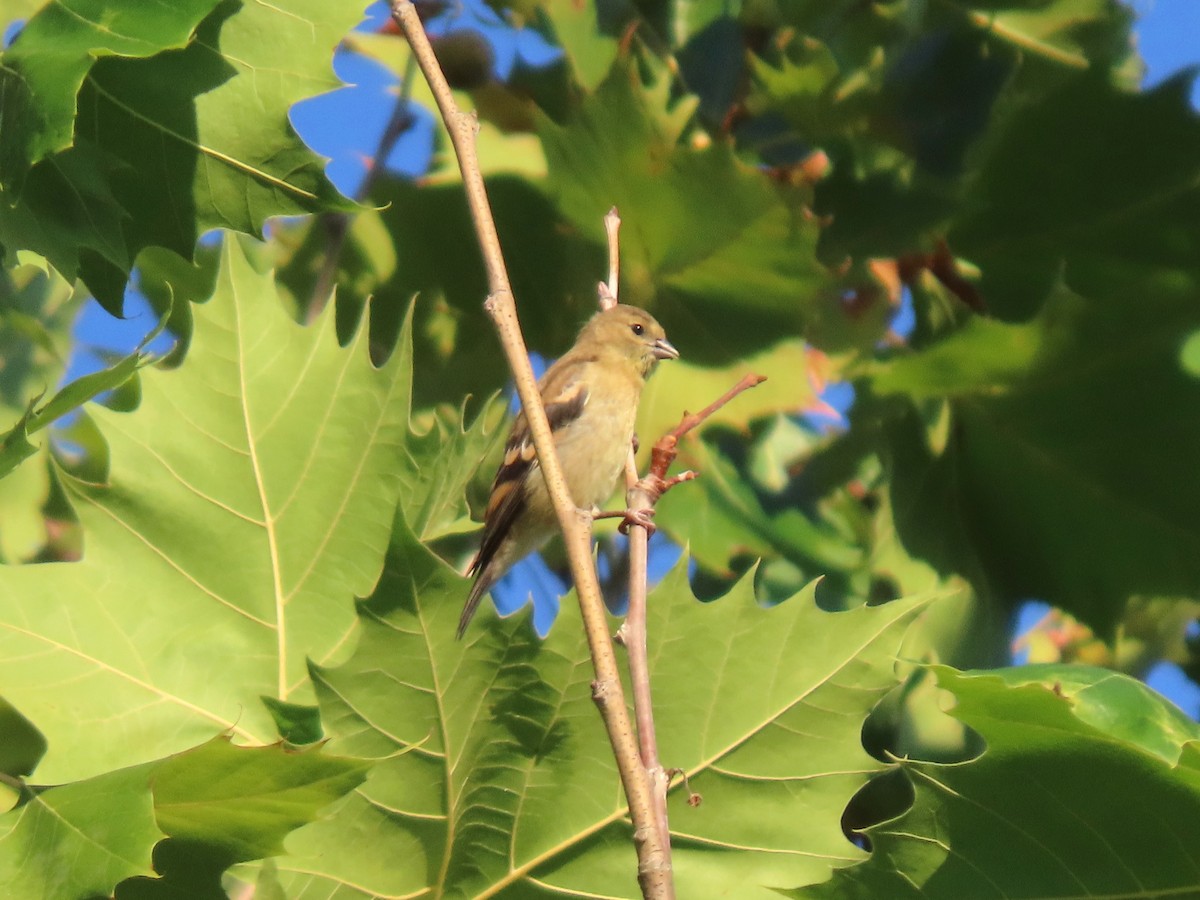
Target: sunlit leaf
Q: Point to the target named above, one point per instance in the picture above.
(245, 800)
(224, 804)
(1087, 786)
(45, 67)
(494, 771)
(104, 827)
(1069, 33)
(172, 145)
(249, 500)
(37, 311)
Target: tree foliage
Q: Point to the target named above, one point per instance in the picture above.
(228, 579)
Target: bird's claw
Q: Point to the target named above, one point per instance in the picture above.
(638, 517)
(629, 518)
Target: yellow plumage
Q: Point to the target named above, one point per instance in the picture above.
(591, 397)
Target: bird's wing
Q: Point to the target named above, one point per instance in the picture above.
(564, 403)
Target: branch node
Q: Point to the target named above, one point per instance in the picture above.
(496, 299)
(603, 691)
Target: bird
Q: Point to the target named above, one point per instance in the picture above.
(591, 396)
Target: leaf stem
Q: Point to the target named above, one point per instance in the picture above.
(654, 873)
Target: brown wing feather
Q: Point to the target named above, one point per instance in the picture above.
(508, 496)
(520, 459)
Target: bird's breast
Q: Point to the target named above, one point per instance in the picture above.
(593, 449)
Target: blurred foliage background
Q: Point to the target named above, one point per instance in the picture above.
(961, 222)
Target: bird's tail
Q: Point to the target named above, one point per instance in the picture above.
(484, 579)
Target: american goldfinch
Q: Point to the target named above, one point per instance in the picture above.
(591, 398)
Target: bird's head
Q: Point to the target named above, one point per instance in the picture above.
(632, 333)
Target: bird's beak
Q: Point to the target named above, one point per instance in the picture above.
(664, 350)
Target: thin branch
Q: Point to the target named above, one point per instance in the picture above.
(640, 497)
(632, 633)
(608, 290)
(654, 873)
(667, 447)
(649, 490)
(338, 224)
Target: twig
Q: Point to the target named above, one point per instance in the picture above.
(608, 290)
(632, 633)
(666, 448)
(654, 873)
(642, 495)
(338, 224)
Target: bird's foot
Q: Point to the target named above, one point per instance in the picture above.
(629, 518)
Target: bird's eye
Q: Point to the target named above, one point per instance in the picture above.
(638, 329)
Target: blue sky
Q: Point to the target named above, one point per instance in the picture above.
(1168, 35)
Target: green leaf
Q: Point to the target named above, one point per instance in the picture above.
(249, 500)
(79, 840)
(442, 462)
(1116, 212)
(218, 804)
(722, 519)
(176, 144)
(576, 28)
(15, 447)
(901, 134)
(246, 800)
(751, 269)
(37, 311)
(23, 745)
(494, 772)
(1122, 707)
(1088, 786)
(1074, 34)
(807, 87)
(553, 276)
(44, 69)
(1029, 489)
(14, 444)
(297, 723)
(679, 387)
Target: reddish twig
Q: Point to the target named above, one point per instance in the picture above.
(641, 496)
(667, 447)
